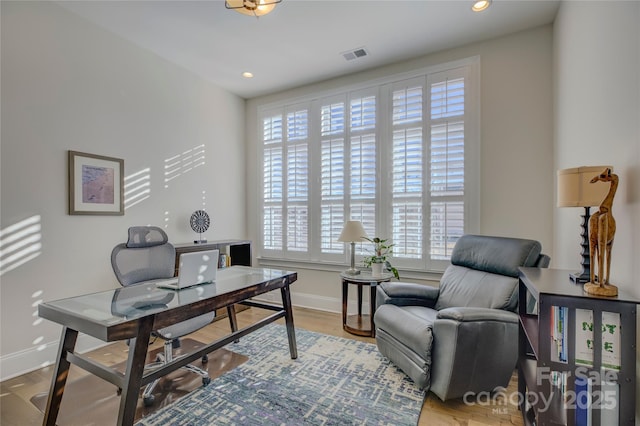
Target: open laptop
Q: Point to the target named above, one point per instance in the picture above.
(199, 267)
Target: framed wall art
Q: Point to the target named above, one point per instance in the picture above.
(96, 184)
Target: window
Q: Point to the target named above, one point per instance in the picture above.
(400, 155)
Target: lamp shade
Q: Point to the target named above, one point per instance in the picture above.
(575, 189)
(352, 231)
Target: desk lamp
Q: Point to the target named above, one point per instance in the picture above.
(575, 190)
(352, 232)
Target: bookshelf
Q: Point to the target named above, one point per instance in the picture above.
(568, 372)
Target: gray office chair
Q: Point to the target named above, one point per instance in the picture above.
(463, 335)
(146, 256)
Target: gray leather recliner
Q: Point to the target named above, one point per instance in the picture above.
(463, 335)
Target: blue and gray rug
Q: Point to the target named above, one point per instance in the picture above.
(334, 381)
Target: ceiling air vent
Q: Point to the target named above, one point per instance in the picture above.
(355, 54)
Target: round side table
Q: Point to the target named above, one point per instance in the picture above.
(361, 325)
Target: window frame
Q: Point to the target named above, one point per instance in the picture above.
(470, 68)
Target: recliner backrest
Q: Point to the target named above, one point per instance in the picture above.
(484, 272)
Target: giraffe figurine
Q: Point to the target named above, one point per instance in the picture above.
(602, 228)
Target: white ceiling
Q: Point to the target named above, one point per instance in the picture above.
(301, 41)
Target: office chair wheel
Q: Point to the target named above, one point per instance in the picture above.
(205, 358)
(148, 400)
(206, 381)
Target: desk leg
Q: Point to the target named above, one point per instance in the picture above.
(134, 371)
(372, 308)
(288, 318)
(233, 321)
(67, 344)
(344, 302)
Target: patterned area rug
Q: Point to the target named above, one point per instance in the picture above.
(334, 381)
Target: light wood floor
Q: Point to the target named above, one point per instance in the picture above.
(16, 394)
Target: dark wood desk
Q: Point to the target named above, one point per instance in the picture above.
(134, 312)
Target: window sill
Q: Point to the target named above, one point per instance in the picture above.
(405, 274)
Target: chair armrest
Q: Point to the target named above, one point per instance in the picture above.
(474, 349)
(468, 314)
(406, 294)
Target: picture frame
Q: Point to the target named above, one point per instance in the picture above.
(96, 184)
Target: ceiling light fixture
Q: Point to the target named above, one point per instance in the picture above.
(247, 74)
(481, 5)
(252, 7)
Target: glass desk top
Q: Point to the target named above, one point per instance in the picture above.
(118, 306)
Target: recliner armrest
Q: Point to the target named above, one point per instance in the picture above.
(407, 294)
(475, 349)
(469, 314)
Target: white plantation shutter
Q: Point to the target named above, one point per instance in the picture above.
(332, 176)
(362, 163)
(332, 219)
(273, 168)
(272, 234)
(297, 149)
(297, 228)
(286, 181)
(297, 181)
(407, 229)
(447, 171)
(447, 159)
(407, 169)
(447, 97)
(399, 156)
(447, 223)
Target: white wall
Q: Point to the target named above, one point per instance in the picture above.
(597, 116)
(69, 85)
(516, 148)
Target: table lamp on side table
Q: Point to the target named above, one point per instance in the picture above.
(575, 190)
(351, 233)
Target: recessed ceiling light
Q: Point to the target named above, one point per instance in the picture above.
(247, 74)
(480, 5)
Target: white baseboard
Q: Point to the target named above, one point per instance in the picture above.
(25, 361)
(304, 300)
(22, 362)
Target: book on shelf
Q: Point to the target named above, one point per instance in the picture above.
(611, 339)
(609, 409)
(583, 388)
(557, 398)
(584, 337)
(559, 318)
